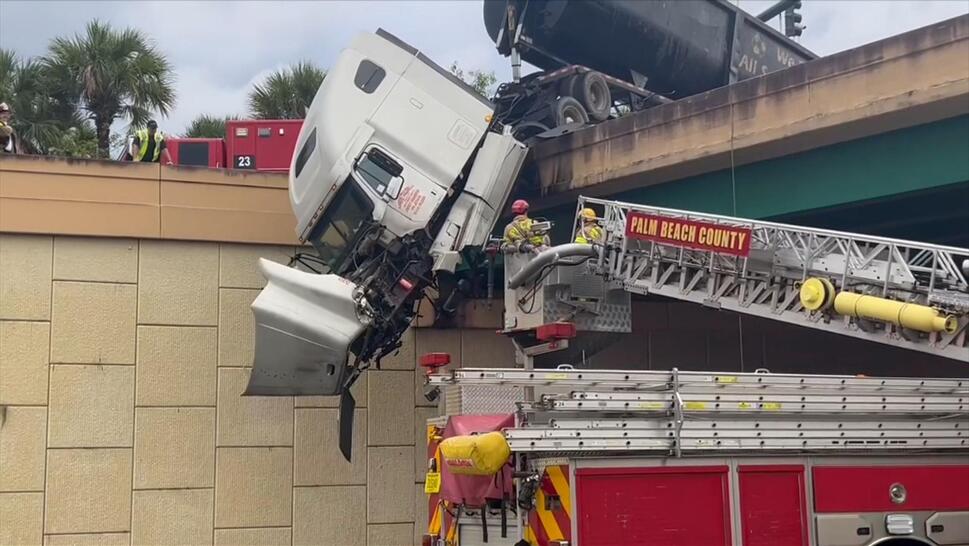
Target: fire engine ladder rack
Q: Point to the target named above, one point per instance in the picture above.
(766, 282)
(681, 413)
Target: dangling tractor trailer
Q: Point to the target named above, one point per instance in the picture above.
(400, 166)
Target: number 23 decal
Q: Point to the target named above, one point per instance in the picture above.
(245, 162)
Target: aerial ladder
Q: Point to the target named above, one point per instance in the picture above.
(891, 291)
(565, 417)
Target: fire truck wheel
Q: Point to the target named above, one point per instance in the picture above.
(567, 111)
(593, 92)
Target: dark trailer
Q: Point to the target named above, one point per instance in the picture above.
(664, 49)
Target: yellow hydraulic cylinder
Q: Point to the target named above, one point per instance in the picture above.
(907, 315)
(817, 294)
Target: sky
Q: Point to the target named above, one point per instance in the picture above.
(220, 49)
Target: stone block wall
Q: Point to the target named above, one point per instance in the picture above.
(122, 362)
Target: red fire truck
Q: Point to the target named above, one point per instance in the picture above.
(547, 454)
(621, 458)
(249, 144)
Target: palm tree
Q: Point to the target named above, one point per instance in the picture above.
(286, 93)
(206, 126)
(8, 71)
(115, 74)
(42, 113)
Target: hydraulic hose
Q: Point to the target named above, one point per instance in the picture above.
(547, 257)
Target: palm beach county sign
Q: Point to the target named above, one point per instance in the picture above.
(693, 234)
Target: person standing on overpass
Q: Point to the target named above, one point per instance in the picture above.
(8, 137)
(149, 145)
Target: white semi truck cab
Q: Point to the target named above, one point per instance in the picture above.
(398, 168)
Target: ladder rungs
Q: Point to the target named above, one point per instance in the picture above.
(754, 398)
(759, 407)
(661, 380)
(725, 433)
(665, 446)
(767, 424)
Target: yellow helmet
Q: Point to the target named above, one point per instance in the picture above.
(588, 214)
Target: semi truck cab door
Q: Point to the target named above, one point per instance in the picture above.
(381, 172)
(410, 196)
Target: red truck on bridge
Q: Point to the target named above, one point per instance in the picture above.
(249, 144)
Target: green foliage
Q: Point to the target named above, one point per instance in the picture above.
(206, 126)
(286, 93)
(42, 111)
(481, 81)
(111, 74)
(75, 142)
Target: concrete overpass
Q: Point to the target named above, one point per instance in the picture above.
(54, 195)
(885, 125)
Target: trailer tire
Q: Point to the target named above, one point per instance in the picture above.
(592, 90)
(567, 111)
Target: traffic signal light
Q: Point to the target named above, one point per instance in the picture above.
(792, 20)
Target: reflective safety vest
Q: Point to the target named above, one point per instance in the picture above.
(142, 135)
(588, 234)
(520, 229)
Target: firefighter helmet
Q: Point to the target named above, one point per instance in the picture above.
(520, 206)
(588, 214)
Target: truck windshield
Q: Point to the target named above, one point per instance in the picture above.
(337, 232)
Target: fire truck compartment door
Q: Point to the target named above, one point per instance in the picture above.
(948, 528)
(844, 530)
(305, 324)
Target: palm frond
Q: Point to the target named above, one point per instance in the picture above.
(286, 93)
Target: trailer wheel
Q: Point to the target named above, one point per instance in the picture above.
(593, 92)
(567, 111)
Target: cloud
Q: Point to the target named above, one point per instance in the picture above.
(219, 49)
(836, 25)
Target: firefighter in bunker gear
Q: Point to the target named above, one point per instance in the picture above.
(589, 232)
(521, 234)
